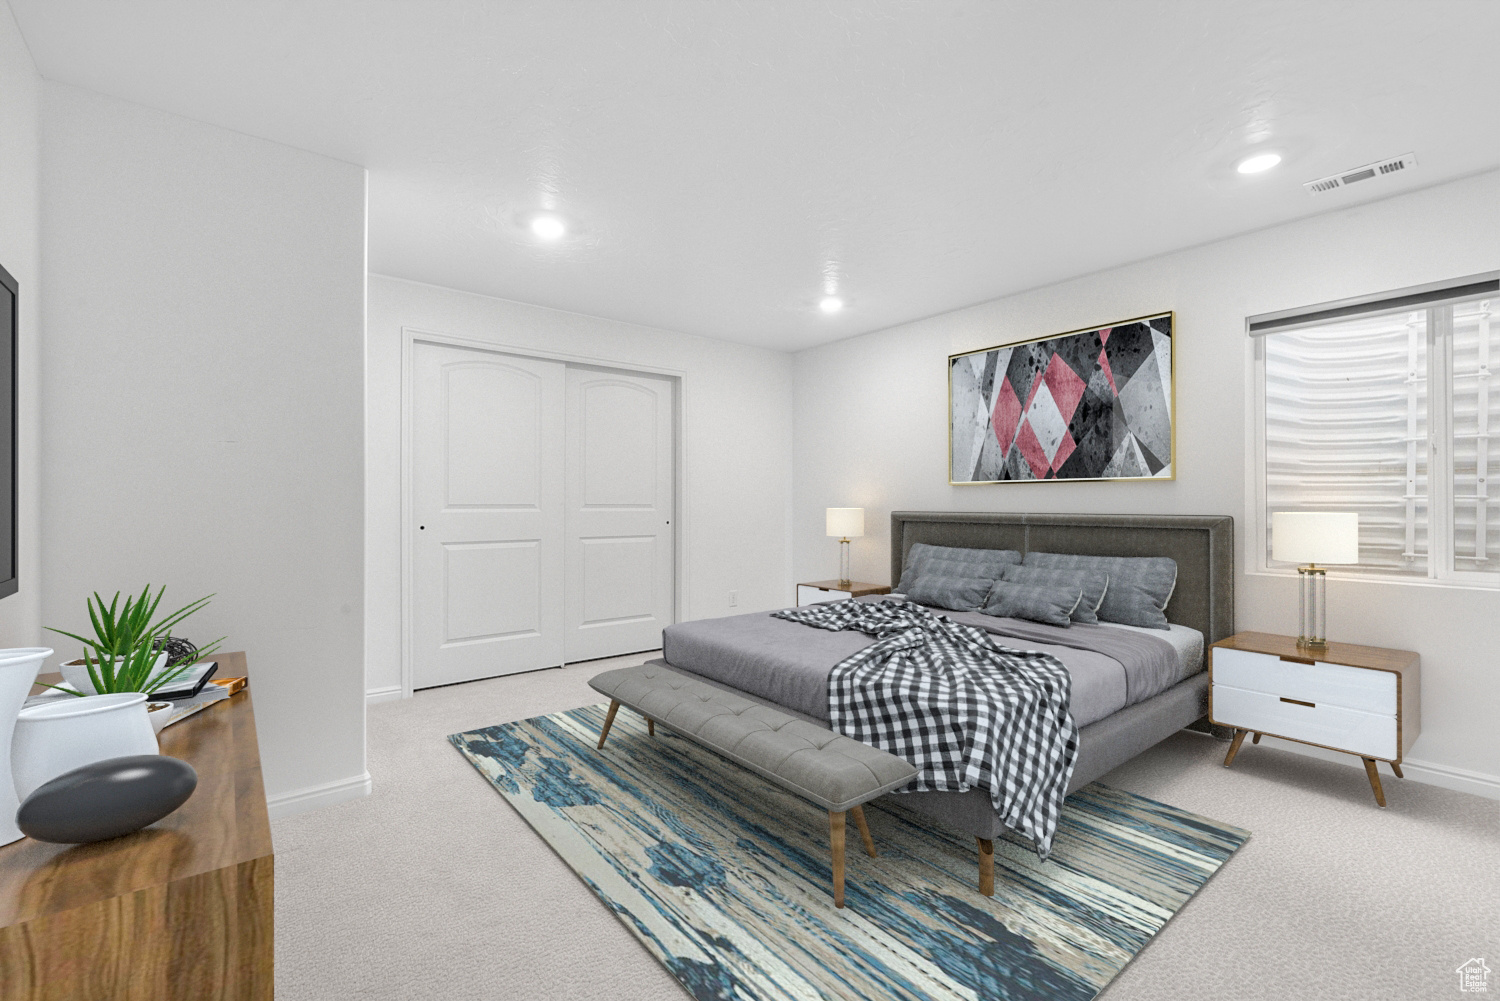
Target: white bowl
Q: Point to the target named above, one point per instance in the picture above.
(77, 674)
(159, 713)
(62, 734)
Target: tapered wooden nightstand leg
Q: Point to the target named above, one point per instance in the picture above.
(864, 829)
(1255, 739)
(609, 721)
(836, 838)
(1374, 780)
(986, 866)
(650, 727)
(1397, 769)
(1234, 747)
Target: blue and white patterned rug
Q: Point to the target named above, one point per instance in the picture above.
(727, 879)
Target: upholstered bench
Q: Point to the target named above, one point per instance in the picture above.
(835, 772)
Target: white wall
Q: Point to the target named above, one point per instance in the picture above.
(20, 135)
(737, 406)
(871, 431)
(202, 405)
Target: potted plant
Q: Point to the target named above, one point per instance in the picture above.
(124, 653)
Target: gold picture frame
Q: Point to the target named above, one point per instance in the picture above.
(1070, 407)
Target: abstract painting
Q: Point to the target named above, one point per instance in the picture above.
(1086, 405)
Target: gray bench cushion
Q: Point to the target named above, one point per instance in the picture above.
(827, 768)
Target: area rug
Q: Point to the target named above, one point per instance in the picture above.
(727, 879)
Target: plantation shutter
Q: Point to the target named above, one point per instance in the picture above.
(1476, 426)
(1346, 410)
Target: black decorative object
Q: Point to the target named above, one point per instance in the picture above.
(188, 684)
(179, 650)
(106, 799)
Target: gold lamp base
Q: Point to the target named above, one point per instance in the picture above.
(1313, 625)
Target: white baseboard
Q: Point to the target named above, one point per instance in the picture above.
(1461, 779)
(388, 694)
(1430, 772)
(316, 797)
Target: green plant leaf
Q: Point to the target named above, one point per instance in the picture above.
(60, 688)
(124, 640)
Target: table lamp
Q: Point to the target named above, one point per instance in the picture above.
(845, 523)
(1311, 538)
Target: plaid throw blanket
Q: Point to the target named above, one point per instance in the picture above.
(966, 711)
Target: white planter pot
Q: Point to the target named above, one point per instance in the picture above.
(77, 675)
(68, 733)
(159, 713)
(18, 669)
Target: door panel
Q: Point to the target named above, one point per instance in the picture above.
(491, 590)
(619, 442)
(493, 417)
(620, 550)
(618, 575)
(487, 503)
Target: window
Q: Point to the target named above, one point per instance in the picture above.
(1384, 406)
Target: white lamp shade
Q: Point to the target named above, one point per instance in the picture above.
(1314, 537)
(846, 522)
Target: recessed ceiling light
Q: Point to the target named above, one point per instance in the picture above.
(1257, 163)
(548, 227)
(830, 304)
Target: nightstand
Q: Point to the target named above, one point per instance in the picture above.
(832, 590)
(1360, 700)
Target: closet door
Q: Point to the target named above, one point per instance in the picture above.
(620, 552)
(487, 507)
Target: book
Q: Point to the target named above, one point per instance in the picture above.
(188, 684)
(187, 706)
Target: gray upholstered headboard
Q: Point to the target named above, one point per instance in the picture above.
(1203, 547)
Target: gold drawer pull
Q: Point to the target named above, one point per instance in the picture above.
(1299, 702)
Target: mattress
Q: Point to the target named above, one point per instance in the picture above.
(788, 663)
(1185, 641)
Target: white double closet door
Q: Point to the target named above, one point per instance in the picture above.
(542, 510)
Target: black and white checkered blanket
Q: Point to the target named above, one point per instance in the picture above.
(966, 711)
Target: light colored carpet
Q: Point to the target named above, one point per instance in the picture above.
(434, 888)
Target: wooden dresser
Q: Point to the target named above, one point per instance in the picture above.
(1361, 700)
(181, 910)
(820, 591)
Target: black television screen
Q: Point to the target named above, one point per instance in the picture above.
(8, 322)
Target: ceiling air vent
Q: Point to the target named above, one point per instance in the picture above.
(1368, 172)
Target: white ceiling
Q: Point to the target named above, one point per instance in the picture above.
(720, 162)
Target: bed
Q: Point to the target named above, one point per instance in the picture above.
(1131, 689)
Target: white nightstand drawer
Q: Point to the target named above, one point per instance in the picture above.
(1362, 733)
(814, 595)
(1359, 688)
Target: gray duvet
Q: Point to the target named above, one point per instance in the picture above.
(788, 663)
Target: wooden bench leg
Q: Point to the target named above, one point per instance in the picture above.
(609, 721)
(864, 829)
(1255, 739)
(650, 727)
(836, 837)
(1234, 747)
(1374, 780)
(986, 866)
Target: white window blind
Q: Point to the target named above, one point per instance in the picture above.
(1346, 426)
(1391, 413)
(1476, 431)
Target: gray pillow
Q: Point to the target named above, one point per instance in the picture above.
(980, 562)
(1049, 603)
(1093, 585)
(1139, 586)
(960, 594)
